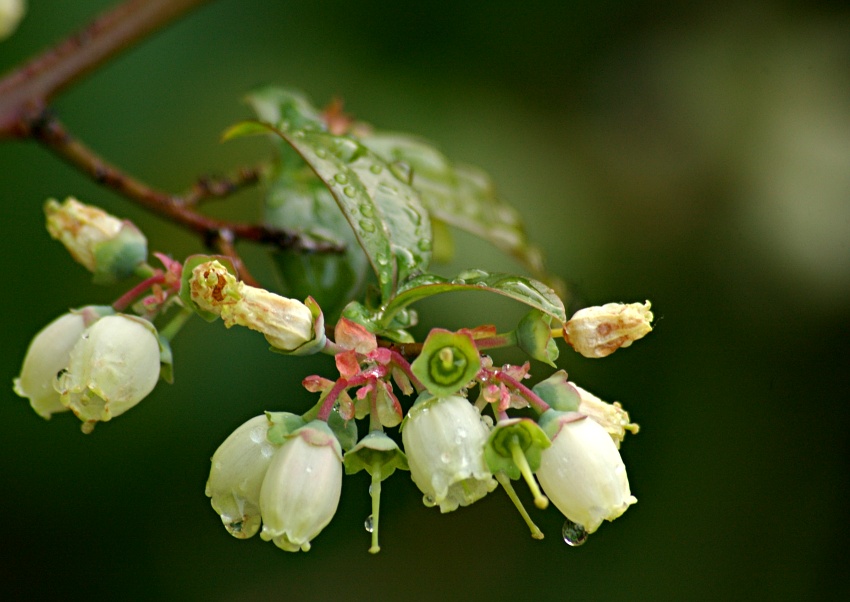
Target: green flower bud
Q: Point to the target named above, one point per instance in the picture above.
(11, 13)
(534, 336)
(582, 472)
(239, 466)
(113, 366)
(301, 489)
(48, 354)
(600, 331)
(109, 248)
(448, 362)
(444, 441)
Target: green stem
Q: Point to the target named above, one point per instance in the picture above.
(375, 492)
(175, 324)
(521, 462)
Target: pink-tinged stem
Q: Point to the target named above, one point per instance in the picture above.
(124, 301)
(530, 396)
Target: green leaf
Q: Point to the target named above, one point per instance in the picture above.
(385, 214)
(285, 108)
(531, 292)
(298, 201)
(459, 195)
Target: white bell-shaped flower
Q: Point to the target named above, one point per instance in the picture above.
(444, 440)
(239, 466)
(48, 353)
(301, 489)
(582, 472)
(113, 366)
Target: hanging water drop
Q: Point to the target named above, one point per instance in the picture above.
(574, 534)
(429, 501)
(369, 524)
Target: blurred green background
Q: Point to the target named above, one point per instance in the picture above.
(694, 154)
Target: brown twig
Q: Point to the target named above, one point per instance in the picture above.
(208, 188)
(25, 91)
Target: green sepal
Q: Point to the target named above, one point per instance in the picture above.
(118, 258)
(190, 264)
(531, 292)
(534, 336)
(370, 320)
(448, 362)
(551, 421)
(166, 360)
(526, 434)
(375, 450)
(558, 392)
(344, 430)
(282, 424)
(317, 343)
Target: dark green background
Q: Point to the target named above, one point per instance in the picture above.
(695, 155)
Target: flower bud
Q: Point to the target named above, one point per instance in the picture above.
(444, 440)
(49, 353)
(582, 472)
(239, 466)
(109, 248)
(600, 331)
(301, 489)
(11, 13)
(611, 416)
(113, 366)
(287, 324)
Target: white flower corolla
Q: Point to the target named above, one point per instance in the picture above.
(11, 13)
(611, 416)
(239, 466)
(105, 245)
(301, 489)
(286, 323)
(444, 440)
(582, 472)
(48, 353)
(113, 366)
(599, 331)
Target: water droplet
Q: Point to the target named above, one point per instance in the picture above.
(376, 169)
(429, 501)
(258, 435)
(366, 210)
(382, 259)
(349, 191)
(573, 533)
(341, 178)
(402, 171)
(445, 458)
(321, 153)
(424, 245)
(369, 524)
(367, 225)
(347, 150)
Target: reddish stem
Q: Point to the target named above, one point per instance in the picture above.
(124, 301)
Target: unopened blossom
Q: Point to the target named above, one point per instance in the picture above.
(286, 323)
(48, 354)
(302, 486)
(601, 330)
(239, 466)
(11, 13)
(114, 365)
(611, 416)
(444, 440)
(106, 246)
(582, 472)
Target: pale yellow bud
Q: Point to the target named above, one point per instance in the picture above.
(601, 330)
(286, 323)
(11, 13)
(105, 245)
(611, 416)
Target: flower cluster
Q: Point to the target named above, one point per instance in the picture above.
(280, 474)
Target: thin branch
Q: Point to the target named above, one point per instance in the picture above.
(25, 91)
(223, 242)
(52, 134)
(208, 188)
